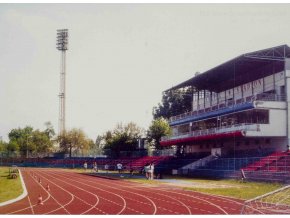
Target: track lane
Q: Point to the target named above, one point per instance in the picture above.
(131, 208)
(77, 205)
(165, 207)
(207, 204)
(93, 195)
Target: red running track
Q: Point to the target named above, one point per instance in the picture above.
(74, 193)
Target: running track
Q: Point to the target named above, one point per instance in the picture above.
(74, 193)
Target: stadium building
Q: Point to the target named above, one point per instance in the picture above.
(239, 108)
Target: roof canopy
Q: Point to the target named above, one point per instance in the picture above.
(240, 70)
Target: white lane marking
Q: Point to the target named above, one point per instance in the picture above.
(170, 202)
(188, 209)
(124, 201)
(92, 206)
(30, 205)
(215, 205)
(155, 208)
(61, 206)
(226, 200)
(19, 210)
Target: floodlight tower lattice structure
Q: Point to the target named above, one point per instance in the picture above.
(62, 45)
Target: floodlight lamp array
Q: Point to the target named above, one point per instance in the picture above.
(62, 39)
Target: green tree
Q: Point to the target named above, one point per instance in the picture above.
(20, 139)
(174, 103)
(123, 138)
(75, 140)
(158, 129)
(41, 143)
(3, 148)
(12, 148)
(97, 147)
(28, 141)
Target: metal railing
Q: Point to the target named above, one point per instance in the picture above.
(217, 130)
(231, 103)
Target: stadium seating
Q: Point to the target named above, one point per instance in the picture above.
(138, 164)
(274, 167)
(273, 162)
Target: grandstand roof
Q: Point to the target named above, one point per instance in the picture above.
(240, 70)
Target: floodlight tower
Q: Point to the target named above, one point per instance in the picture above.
(61, 45)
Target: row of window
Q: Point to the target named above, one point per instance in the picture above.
(254, 116)
(237, 143)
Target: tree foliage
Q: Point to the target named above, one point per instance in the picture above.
(75, 141)
(26, 141)
(174, 103)
(123, 138)
(158, 128)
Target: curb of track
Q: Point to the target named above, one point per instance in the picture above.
(101, 176)
(23, 195)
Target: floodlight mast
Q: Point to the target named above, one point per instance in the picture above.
(62, 45)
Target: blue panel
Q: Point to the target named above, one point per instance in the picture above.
(236, 108)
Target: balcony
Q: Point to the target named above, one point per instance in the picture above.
(219, 132)
(230, 104)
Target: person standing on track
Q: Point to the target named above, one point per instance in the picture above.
(149, 171)
(106, 167)
(119, 167)
(146, 170)
(152, 171)
(85, 166)
(95, 167)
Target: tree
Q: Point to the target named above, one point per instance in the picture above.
(26, 140)
(12, 148)
(74, 140)
(174, 103)
(20, 139)
(123, 138)
(41, 142)
(3, 148)
(97, 147)
(158, 128)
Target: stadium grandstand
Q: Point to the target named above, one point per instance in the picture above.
(240, 117)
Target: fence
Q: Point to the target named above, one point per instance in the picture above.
(276, 202)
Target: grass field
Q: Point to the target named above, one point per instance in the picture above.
(231, 188)
(9, 188)
(247, 190)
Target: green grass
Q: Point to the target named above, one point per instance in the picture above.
(9, 188)
(230, 188)
(247, 190)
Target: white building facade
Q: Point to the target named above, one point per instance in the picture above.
(242, 104)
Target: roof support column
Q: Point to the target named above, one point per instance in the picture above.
(287, 86)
